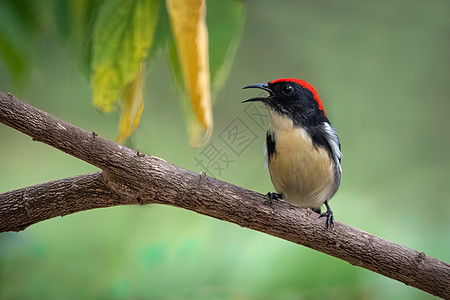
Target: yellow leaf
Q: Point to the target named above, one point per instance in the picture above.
(188, 21)
(132, 106)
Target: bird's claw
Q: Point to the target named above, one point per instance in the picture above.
(274, 197)
(329, 223)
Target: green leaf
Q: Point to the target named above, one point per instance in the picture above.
(123, 34)
(175, 70)
(225, 21)
(163, 34)
(82, 16)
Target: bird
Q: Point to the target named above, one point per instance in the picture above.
(303, 151)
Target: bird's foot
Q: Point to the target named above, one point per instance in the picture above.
(329, 223)
(274, 197)
(316, 210)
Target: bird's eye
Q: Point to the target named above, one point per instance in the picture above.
(288, 89)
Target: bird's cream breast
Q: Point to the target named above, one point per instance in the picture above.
(300, 171)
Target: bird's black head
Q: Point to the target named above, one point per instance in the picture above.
(294, 98)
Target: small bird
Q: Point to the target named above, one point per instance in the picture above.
(303, 151)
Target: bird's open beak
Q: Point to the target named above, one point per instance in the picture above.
(262, 86)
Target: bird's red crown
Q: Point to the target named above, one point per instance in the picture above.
(305, 85)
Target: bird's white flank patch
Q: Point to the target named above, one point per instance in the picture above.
(266, 155)
(333, 140)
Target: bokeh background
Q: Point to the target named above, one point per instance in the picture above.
(382, 69)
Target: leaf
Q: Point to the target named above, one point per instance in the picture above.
(175, 70)
(195, 129)
(163, 35)
(123, 34)
(132, 106)
(188, 21)
(82, 13)
(225, 21)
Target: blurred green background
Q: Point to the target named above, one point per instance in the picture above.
(382, 69)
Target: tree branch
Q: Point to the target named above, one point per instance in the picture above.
(30, 205)
(130, 177)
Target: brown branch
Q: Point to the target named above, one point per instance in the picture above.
(30, 205)
(129, 177)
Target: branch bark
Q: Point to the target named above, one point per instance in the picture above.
(130, 177)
